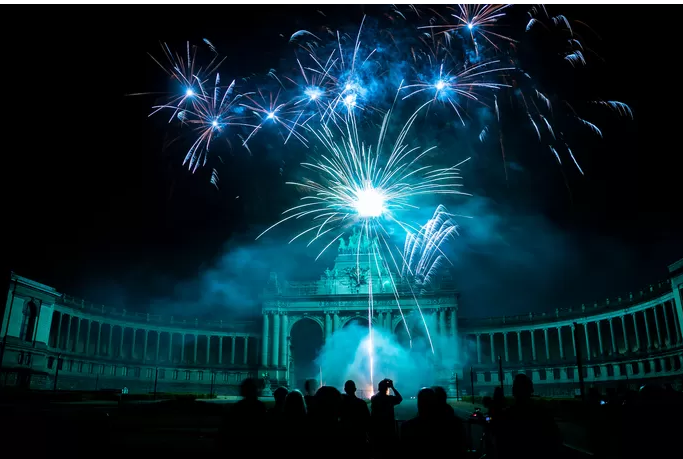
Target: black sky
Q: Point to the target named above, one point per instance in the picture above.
(97, 208)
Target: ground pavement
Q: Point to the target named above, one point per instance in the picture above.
(574, 436)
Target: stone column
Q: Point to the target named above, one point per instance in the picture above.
(170, 347)
(559, 337)
(647, 330)
(59, 331)
(87, 338)
(635, 327)
(144, 350)
(123, 333)
(478, 348)
(98, 349)
(208, 349)
(182, 347)
(505, 345)
(454, 330)
(196, 339)
(276, 339)
(220, 350)
(666, 324)
(657, 328)
(623, 329)
(110, 353)
(132, 350)
(493, 349)
(328, 326)
(611, 329)
(158, 347)
(246, 349)
(336, 323)
(573, 339)
(519, 346)
(68, 333)
(264, 341)
(233, 345)
(78, 334)
(547, 344)
(442, 323)
(614, 340)
(588, 343)
(284, 322)
(678, 308)
(389, 322)
(533, 345)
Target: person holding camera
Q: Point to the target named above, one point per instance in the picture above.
(383, 421)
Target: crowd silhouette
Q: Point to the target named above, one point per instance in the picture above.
(326, 423)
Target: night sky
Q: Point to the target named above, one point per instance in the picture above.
(98, 208)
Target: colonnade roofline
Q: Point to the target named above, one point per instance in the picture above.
(643, 299)
(150, 320)
(78, 307)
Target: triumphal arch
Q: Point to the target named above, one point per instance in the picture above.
(360, 286)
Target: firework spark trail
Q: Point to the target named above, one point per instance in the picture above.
(422, 254)
(467, 83)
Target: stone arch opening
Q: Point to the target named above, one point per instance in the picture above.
(357, 321)
(418, 332)
(305, 343)
(28, 323)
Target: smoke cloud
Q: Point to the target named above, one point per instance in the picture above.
(350, 354)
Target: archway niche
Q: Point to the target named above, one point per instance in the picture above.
(306, 340)
(418, 332)
(358, 321)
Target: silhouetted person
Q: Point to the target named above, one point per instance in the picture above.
(278, 409)
(422, 435)
(451, 426)
(324, 422)
(382, 418)
(442, 399)
(497, 403)
(354, 420)
(527, 430)
(295, 422)
(246, 419)
(310, 386)
(276, 416)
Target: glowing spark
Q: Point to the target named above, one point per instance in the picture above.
(350, 100)
(189, 92)
(369, 203)
(271, 115)
(313, 93)
(440, 85)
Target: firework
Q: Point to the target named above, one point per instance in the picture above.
(211, 111)
(422, 255)
(467, 84)
(361, 186)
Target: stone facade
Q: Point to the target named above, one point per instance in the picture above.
(51, 340)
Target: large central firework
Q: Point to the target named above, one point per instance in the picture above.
(360, 186)
(453, 66)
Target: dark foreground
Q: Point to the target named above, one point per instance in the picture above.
(176, 426)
